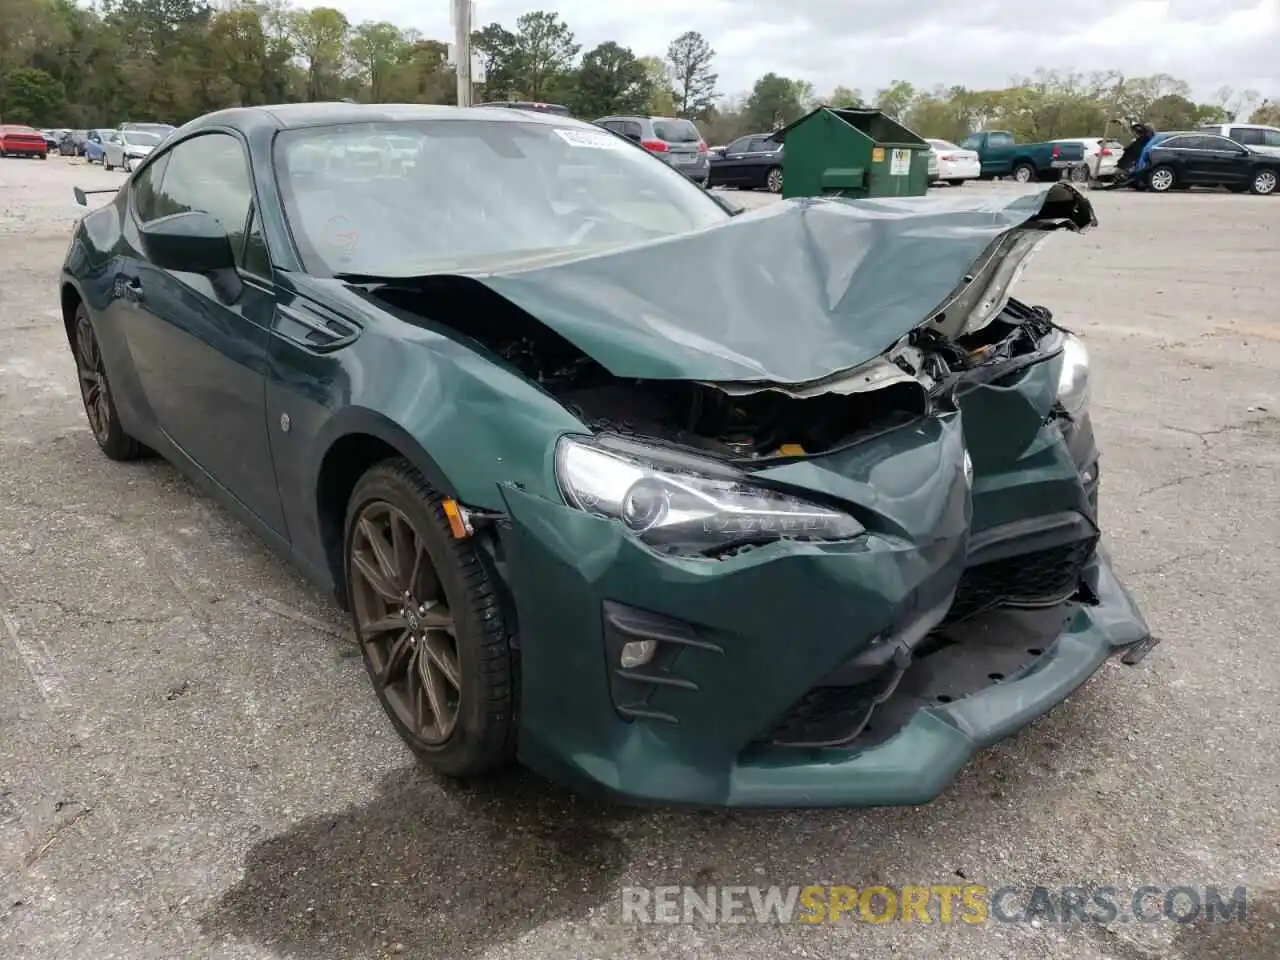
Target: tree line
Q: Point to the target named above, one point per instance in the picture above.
(62, 64)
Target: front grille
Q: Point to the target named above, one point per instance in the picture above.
(1040, 578)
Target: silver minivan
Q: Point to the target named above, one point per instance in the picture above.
(1257, 136)
(674, 140)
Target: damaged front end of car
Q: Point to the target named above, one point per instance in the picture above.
(830, 524)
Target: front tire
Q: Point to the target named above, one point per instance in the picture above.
(105, 165)
(1024, 173)
(955, 183)
(1264, 182)
(773, 180)
(1162, 179)
(95, 392)
(431, 628)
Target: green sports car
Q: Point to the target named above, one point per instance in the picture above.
(792, 507)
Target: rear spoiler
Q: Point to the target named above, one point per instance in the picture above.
(82, 195)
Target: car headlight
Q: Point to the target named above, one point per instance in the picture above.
(683, 503)
(1073, 381)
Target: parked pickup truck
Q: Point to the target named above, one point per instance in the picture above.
(1002, 156)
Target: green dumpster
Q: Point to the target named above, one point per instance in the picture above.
(833, 152)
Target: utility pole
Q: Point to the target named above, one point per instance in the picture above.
(462, 49)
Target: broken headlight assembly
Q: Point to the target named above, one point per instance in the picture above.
(686, 504)
(1073, 380)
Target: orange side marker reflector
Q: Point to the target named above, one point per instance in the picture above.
(459, 523)
(790, 450)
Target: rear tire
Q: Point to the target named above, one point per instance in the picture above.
(955, 183)
(95, 392)
(1162, 179)
(398, 542)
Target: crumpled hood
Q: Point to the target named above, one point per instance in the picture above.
(791, 293)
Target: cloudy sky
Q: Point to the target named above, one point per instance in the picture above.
(867, 43)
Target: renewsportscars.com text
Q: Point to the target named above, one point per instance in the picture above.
(935, 903)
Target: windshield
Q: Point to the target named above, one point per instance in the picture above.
(136, 138)
(473, 190)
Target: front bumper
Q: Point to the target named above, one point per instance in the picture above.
(799, 674)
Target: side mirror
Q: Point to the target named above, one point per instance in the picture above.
(191, 242)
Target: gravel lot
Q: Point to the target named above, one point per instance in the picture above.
(192, 764)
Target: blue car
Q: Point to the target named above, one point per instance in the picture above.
(94, 144)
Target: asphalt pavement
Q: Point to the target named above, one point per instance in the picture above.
(192, 763)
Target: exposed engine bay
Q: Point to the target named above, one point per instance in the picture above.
(738, 421)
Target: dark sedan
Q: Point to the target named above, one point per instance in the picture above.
(524, 404)
(1195, 159)
(749, 163)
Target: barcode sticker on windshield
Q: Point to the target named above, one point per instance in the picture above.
(590, 138)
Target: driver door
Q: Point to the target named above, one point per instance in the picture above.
(199, 350)
(113, 151)
(733, 169)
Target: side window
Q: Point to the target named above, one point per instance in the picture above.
(629, 128)
(145, 186)
(209, 173)
(1251, 136)
(1224, 144)
(1000, 140)
(739, 146)
(1178, 143)
(1271, 138)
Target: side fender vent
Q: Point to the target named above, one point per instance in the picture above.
(313, 328)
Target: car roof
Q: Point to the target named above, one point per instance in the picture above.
(292, 116)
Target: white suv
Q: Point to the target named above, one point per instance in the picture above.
(1260, 137)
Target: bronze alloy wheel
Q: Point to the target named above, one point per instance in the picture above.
(93, 380)
(95, 391)
(404, 624)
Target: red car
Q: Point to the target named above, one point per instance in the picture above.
(22, 142)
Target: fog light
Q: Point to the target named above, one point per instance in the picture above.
(638, 652)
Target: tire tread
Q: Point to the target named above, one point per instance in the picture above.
(494, 746)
